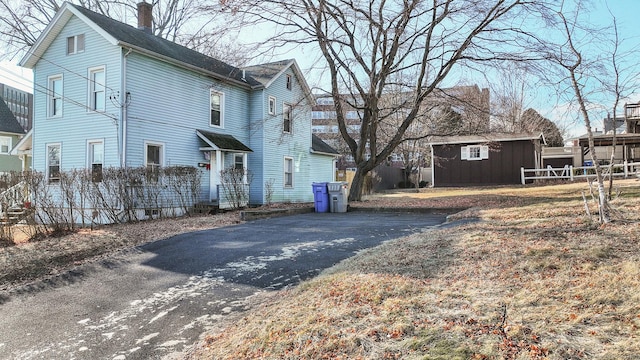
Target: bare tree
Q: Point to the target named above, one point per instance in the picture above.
(197, 24)
(373, 47)
(570, 60)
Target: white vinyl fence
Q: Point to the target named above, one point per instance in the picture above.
(623, 170)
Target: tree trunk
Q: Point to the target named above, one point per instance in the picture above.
(357, 184)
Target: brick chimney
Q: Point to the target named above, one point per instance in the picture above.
(145, 17)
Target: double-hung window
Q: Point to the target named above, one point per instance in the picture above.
(272, 105)
(217, 109)
(154, 157)
(5, 144)
(287, 116)
(97, 99)
(54, 92)
(288, 172)
(53, 163)
(288, 82)
(96, 159)
(75, 44)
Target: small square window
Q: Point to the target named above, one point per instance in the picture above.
(5, 144)
(75, 44)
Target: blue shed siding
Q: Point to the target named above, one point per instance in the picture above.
(77, 124)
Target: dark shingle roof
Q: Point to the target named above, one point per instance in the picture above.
(264, 73)
(155, 44)
(225, 142)
(8, 122)
(320, 146)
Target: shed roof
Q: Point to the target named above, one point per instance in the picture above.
(222, 141)
(319, 146)
(484, 138)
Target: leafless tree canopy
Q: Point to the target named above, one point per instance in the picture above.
(371, 48)
(197, 24)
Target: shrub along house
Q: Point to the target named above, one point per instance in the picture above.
(112, 95)
(490, 159)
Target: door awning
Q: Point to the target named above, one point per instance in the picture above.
(222, 142)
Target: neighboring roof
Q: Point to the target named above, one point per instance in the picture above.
(267, 73)
(130, 37)
(321, 147)
(484, 138)
(8, 122)
(607, 140)
(24, 146)
(222, 141)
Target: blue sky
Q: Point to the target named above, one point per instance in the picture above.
(544, 101)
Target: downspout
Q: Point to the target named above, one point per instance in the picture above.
(124, 98)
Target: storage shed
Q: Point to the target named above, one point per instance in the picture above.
(487, 159)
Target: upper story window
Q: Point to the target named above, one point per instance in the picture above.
(53, 163)
(217, 109)
(97, 99)
(287, 116)
(75, 44)
(288, 82)
(54, 92)
(272, 105)
(5, 144)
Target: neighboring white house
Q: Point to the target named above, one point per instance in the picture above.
(119, 96)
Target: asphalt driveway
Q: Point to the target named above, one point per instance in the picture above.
(155, 300)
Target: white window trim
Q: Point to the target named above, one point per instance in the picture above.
(59, 145)
(245, 177)
(284, 173)
(284, 111)
(75, 44)
(465, 152)
(288, 82)
(50, 95)
(89, 154)
(9, 144)
(162, 151)
(272, 100)
(222, 98)
(92, 87)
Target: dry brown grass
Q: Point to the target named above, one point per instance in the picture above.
(534, 279)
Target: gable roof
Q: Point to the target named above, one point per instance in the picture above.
(266, 74)
(127, 36)
(321, 147)
(8, 122)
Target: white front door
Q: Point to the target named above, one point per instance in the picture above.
(215, 166)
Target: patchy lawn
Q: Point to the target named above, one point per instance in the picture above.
(534, 279)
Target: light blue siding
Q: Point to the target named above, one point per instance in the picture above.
(165, 104)
(77, 124)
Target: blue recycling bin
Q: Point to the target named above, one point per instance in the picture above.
(320, 197)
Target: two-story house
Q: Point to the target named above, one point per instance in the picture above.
(118, 96)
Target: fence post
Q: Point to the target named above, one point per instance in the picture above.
(571, 172)
(626, 170)
(522, 175)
